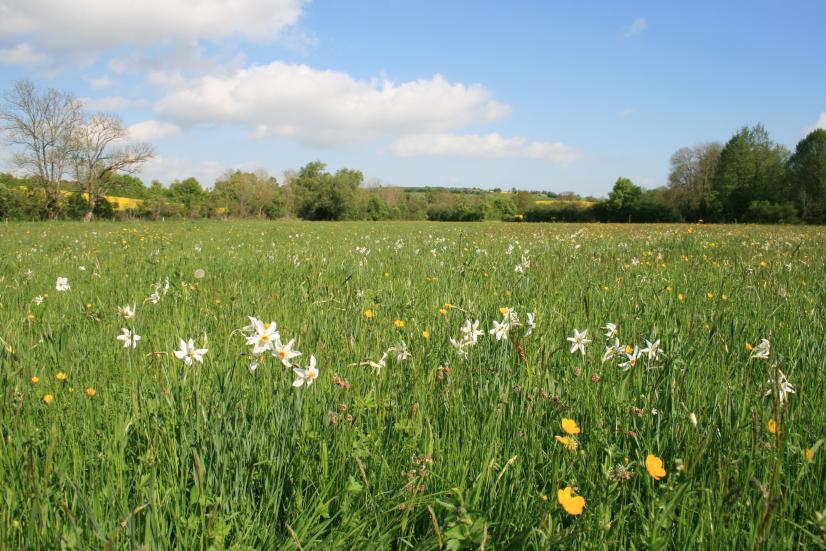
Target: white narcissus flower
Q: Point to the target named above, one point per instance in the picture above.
(762, 350)
(471, 331)
(128, 312)
(500, 330)
(38, 300)
(155, 298)
(401, 352)
(62, 284)
(188, 352)
(284, 352)
(531, 324)
(783, 386)
(614, 351)
(651, 349)
(128, 338)
(264, 337)
(579, 341)
(631, 359)
(306, 376)
(459, 347)
(610, 330)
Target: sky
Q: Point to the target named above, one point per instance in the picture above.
(537, 95)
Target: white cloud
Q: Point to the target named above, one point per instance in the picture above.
(111, 103)
(148, 131)
(166, 169)
(628, 111)
(325, 108)
(490, 146)
(98, 25)
(821, 123)
(636, 27)
(101, 83)
(21, 54)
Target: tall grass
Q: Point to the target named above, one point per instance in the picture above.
(431, 452)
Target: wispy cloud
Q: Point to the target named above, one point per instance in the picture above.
(821, 123)
(21, 54)
(636, 27)
(489, 146)
(628, 111)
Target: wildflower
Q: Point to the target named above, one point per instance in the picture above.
(62, 284)
(369, 314)
(471, 331)
(459, 347)
(500, 330)
(570, 426)
(809, 454)
(47, 399)
(306, 376)
(35, 379)
(128, 338)
(263, 336)
(90, 392)
(783, 386)
(425, 334)
(569, 443)
(614, 351)
(573, 505)
(620, 473)
(61, 376)
(399, 324)
(772, 426)
(285, 352)
(443, 311)
(401, 352)
(610, 330)
(199, 273)
(654, 465)
(579, 341)
(709, 295)
(693, 419)
(531, 324)
(651, 348)
(155, 298)
(38, 300)
(631, 359)
(128, 312)
(762, 350)
(188, 352)
(256, 359)
(681, 297)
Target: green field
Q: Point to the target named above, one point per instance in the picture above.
(107, 446)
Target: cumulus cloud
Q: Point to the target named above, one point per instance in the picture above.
(100, 83)
(490, 146)
(821, 123)
(103, 24)
(324, 107)
(111, 103)
(148, 131)
(21, 54)
(636, 27)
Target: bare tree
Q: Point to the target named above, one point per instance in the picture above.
(100, 150)
(692, 170)
(40, 127)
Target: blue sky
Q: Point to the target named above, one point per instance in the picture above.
(556, 96)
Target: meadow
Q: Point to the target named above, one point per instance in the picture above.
(692, 414)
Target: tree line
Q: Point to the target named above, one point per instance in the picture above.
(75, 162)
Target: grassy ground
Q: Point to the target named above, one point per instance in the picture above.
(137, 448)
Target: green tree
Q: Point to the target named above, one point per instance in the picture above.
(246, 194)
(190, 193)
(319, 195)
(806, 174)
(623, 199)
(751, 168)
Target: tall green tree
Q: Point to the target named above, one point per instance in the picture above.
(806, 174)
(319, 195)
(751, 168)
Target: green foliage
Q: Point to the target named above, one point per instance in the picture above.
(319, 195)
(807, 177)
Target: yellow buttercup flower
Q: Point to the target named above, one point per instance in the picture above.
(425, 334)
(35, 379)
(573, 505)
(570, 426)
(772, 426)
(809, 454)
(47, 399)
(399, 324)
(568, 442)
(369, 314)
(443, 311)
(90, 392)
(61, 376)
(654, 465)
